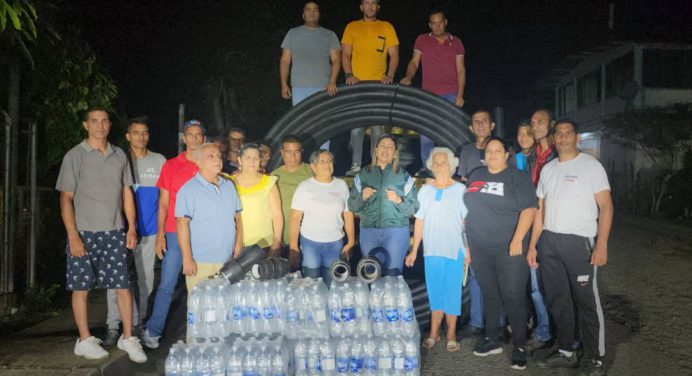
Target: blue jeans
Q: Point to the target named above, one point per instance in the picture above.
(318, 257)
(542, 330)
(389, 245)
(299, 94)
(426, 144)
(171, 267)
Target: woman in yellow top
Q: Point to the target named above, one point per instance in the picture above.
(262, 217)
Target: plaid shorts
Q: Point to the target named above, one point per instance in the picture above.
(105, 263)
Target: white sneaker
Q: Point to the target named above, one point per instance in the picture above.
(90, 349)
(353, 171)
(150, 341)
(133, 349)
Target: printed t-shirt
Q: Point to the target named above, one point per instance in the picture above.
(147, 171)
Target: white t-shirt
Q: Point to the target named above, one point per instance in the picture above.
(323, 205)
(568, 190)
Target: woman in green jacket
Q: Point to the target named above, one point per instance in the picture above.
(383, 196)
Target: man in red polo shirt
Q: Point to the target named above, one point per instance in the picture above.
(444, 72)
(174, 174)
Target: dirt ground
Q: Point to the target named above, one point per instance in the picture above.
(646, 290)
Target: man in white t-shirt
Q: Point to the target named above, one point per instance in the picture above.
(574, 208)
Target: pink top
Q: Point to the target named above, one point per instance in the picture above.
(439, 63)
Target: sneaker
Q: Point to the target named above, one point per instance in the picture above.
(593, 367)
(560, 360)
(536, 344)
(133, 349)
(90, 349)
(150, 341)
(486, 346)
(111, 337)
(353, 171)
(519, 359)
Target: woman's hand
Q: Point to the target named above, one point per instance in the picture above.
(411, 259)
(515, 247)
(294, 258)
(346, 251)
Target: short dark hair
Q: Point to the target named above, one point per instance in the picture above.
(505, 144)
(236, 129)
(551, 116)
(248, 146)
(291, 139)
(483, 110)
(262, 142)
(571, 122)
(138, 120)
(95, 108)
(434, 11)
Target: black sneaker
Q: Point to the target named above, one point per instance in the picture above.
(560, 360)
(519, 358)
(111, 337)
(503, 335)
(593, 367)
(536, 344)
(486, 346)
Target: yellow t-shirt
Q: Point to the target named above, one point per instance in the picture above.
(256, 214)
(369, 42)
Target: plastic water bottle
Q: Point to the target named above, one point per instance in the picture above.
(343, 354)
(267, 307)
(253, 311)
(264, 363)
(234, 361)
(362, 296)
(376, 310)
(189, 362)
(223, 312)
(408, 326)
(209, 313)
(411, 357)
(327, 358)
(279, 363)
(291, 313)
(391, 311)
(357, 359)
(194, 309)
(318, 307)
(300, 354)
(398, 356)
(334, 305)
(251, 359)
(348, 309)
(384, 358)
(174, 359)
(369, 357)
(279, 294)
(204, 360)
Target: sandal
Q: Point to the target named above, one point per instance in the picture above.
(453, 346)
(429, 342)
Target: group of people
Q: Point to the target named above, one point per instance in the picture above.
(490, 217)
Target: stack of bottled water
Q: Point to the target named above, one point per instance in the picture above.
(349, 309)
(262, 357)
(208, 311)
(255, 307)
(304, 309)
(391, 308)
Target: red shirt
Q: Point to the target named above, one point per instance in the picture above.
(542, 158)
(174, 173)
(439, 63)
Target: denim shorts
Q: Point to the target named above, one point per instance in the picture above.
(105, 263)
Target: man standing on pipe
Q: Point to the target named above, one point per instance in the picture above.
(365, 47)
(174, 173)
(444, 73)
(305, 50)
(207, 216)
(94, 184)
(145, 167)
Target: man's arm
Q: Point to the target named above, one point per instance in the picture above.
(350, 229)
(293, 235)
(599, 255)
(183, 227)
(130, 215)
(393, 53)
(70, 222)
(164, 199)
(346, 52)
(284, 67)
(238, 235)
(335, 57)
(461, 80)
(536, 231)
(412, 68)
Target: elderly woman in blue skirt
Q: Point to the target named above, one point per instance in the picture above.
(439, 224)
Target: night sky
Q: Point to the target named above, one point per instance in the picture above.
(161, 53)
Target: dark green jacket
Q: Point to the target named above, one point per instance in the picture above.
(378, 211)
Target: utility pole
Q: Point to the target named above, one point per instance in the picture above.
(33, 205)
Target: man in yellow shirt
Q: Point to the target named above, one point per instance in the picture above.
(365, 46)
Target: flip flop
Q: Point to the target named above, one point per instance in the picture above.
(453, 346)
(429, 342)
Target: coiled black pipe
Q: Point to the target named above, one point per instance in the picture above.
(271, 268)
(321, 117)
(340, 270)
(235, 269)
(369, 269)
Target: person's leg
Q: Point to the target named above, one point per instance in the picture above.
(542, 325)
(357, 137)
(311, 259)
(512, 276)
(375, 132)
(204, 271)
(557, 288)
(81, 275)
(330, 252)
(170, 270)
(396, 241)
(452, 272)
(125, 308)
(476, 301)
(79, 310)
(145, 258)
(426, 145)
(451, 327)
(113, 314)
(299, 94)
(484, 263)
(369, 239)
(326, 145)
(113, 261)
(434, 283)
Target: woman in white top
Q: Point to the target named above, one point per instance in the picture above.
(320, 218)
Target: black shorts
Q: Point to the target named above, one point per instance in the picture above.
(105, 263)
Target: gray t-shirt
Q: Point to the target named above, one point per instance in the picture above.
(97, 182)
(470, 159)
(310, 48)
(147, 169)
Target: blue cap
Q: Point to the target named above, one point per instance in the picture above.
(194, 122)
